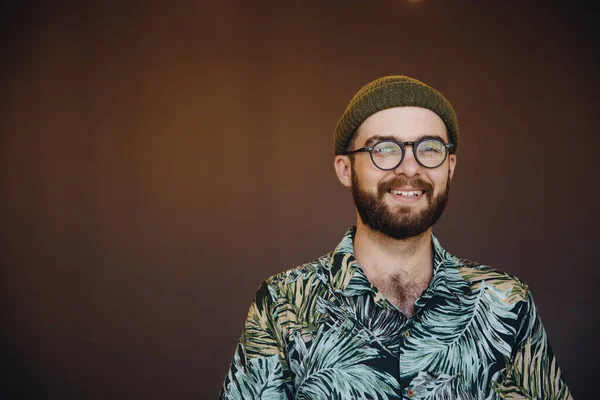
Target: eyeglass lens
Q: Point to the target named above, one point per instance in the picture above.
(429, 153)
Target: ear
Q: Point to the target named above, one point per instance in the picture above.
(343, 169)
(452, 164)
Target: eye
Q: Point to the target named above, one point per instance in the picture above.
(431, 147)
(386, 148)
(428, 149)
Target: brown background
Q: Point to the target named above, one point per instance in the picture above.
(159, 161)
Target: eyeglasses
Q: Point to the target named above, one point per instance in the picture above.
(388, 154)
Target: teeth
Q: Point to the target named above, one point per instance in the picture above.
(411, 193)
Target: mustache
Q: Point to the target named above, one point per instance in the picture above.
(399, 181)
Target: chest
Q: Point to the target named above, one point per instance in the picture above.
(401, 293)
(365, 350)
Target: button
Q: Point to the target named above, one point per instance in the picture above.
(406, 334)
(410, 392)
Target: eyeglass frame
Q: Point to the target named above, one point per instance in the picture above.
(414, 144)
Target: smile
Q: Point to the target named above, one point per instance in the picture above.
(408, 193)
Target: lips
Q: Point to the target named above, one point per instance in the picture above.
(407, 193)
(407, 189)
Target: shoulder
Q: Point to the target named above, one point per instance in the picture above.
(313, 273)
(479, 276)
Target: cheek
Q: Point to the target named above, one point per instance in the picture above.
(440, 181)
(368, 178)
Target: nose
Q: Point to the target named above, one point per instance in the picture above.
(409, 166)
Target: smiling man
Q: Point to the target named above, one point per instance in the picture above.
(389, 313)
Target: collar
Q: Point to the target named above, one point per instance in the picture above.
(346, 277)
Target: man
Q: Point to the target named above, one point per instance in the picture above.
(389, 313)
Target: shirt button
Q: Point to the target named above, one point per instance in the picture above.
(410, 392)
(406, 334)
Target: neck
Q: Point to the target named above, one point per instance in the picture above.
(382, 257)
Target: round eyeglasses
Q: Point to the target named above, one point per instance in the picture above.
(388, 154)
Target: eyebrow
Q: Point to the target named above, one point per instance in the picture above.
(377, 138)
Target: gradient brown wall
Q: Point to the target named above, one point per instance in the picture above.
(158, 162)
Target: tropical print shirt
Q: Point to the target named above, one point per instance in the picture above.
(323, 331)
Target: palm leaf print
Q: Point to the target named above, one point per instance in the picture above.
(515, 289)
(283, 305)
(333, 367)
(533, 375)
(323, 331)
(341, 276)
(297, 301)
(258, 378)
(439, 387)
(381, 324)
(462, 335)
(263, 334)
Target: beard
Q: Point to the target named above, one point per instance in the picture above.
(401, 222)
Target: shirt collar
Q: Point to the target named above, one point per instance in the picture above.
(347, 277)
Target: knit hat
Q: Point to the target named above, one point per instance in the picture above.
(389, 92)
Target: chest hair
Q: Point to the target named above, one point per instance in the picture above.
(401, 291)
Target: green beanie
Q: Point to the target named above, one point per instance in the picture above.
(389, 92)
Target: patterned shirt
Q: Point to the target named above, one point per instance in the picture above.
(323, 331)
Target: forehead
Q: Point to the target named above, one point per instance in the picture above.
(404, 123)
